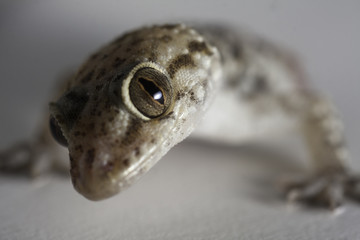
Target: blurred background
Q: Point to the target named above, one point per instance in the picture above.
(195, 192)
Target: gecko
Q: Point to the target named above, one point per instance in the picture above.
(147, 90)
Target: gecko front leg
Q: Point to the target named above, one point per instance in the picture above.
(29, 158)
(34, 158)
(331, 179)
(41, 154)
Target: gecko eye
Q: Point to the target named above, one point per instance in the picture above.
(56, 132)
(150, 92)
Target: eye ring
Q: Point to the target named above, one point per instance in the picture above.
(56, 132)
(147, 91)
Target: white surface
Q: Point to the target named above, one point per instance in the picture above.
(197, 191)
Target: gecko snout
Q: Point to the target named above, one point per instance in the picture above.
(96, 174)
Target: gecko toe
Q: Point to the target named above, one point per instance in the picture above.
(352, 189)
(24, 159)
(16, 158)
(318, 191)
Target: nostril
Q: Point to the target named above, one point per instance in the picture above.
(56, 132)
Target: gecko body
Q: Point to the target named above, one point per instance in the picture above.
(147, 90)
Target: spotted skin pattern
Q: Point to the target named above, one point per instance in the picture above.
(111, 143)
(240, 86)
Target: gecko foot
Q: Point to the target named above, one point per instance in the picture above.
(24, 159)
(324, 190)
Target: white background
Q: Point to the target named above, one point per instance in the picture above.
(197, 191)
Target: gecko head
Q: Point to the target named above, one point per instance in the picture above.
(118, 122)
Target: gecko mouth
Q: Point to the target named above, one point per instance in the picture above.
(100, 174)
(89, 184)
(95, 174)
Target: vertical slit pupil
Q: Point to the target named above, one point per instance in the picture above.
(152, 89)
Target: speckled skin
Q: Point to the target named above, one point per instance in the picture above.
(253, 87)
(110, 144)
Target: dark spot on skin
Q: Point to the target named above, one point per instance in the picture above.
(108, 167)
(141, 51)
(204, 84)
(131, 133)
(110, 119)
(116, 47)
(126, 162)
(166, 38)
(180, 95)
(120, 39)
(196, 46)
(234, 82)
(260, 84)
(101, 73)
(89, 158)
(79, 148)
(153, 55)
(87, 77)
(117, 62)
(137, 151)
(179, 62)
(119, 77)
(237, 51)
(81, 71)
(153, 141)
(76, 96)
(105, 56)
(94, 56)
(137, 41)
(192, 97)
(257, 86)
(169, 26)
